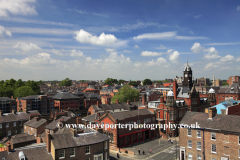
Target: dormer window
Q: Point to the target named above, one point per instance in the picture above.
(21, 156)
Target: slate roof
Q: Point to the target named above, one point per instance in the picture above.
(34, 123)
(182, 92)
(128, 114)
(29, 97)
(92, 117)
(67, 140)
(8, 117)
(218, 122)
(53, 124)
(31, 152)
(23, 137)
(234, 88)
(89, 96)
(64, 95)
(6, 99)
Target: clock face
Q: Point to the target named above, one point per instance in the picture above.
(190, 75)
(185, 75)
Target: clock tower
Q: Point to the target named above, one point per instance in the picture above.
(187, 74)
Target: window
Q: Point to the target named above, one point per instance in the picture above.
(72, 152)
(9, 133)
(189, 132)
(106, 156)
(214, 159)
(198, 134)
(25, 127)
(61, 153)
(199, 146)
(213, 136)
(189, 143)
(214, 148)
(0, 125)
(88, 150)
(21, 130)
(35, 133)
(153, 119)
(7, 125)
(189, 156)
(16, 131)
(31, 129)
(14, 124)
(98, 157)
(226, 138)
(199, 157)
(106, 145)
(20, 123)
(226, 150)
(239, 140)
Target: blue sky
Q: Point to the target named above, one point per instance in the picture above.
(82, 39)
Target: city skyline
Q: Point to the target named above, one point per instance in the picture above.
(134, 40)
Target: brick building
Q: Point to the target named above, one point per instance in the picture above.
(7, 104)
(179, 101)
(91, 99)
(66, 144)
(115, 107)
(35, 126)
(217, 138)
(12, 123)
(203, 81)
(43, 104)
(232, 92)
(233, 79)
(81, 98)
(65, 100)
(106, 99)
(123, 136)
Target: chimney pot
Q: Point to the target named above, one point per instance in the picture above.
(212, 112)
(116, 101)
(161, 99)
(128, 102)
(8, 146)
(48, 142)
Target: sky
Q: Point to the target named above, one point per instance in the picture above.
(122, 39)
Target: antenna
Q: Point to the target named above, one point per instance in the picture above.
(187, 59)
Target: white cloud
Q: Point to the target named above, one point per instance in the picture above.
(198, 16)
(110, 50)
(103, 40)
(41, 31)
(26, 47)
(174, 57)
(191, 32)
(76, 53)
(161, 47)
(22, 7)
(223, 44)
(165, 36)
(127, 51)
(56, 52)
(238, 59)
(136, 46)
(238, 8)
(149, 53)
(210, 53)
(3, 32)
(210, 65)
(227, 58)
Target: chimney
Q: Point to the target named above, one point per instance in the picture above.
(100, 130)
(97, 103)
(116, 101)
(13, 111)
(175, 89)
(12, 97)
(212, 112)
(26, 110)
(161, 99)
(39, 140)
(48, 142)
(37, 118)
(8, 147)
(73, 131)
(223, 111)
(79, 120)
(128, 102)
(134, 100)
(1, 113)
(146, 105)
(143, 99)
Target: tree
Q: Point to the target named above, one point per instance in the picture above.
(34, 86)
(23, 91)
(147, 82)
(158, 82)
(18, 84)
(65, 82)
(121, 81)
(110, 81)
(224, 83)
(40, 82)
(6, 92)
(133, 83)
(126, 93)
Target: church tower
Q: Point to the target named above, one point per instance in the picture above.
(211, 97)
(187, 74)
